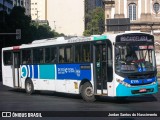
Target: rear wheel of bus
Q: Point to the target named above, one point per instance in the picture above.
(29, 86)
(87, 92)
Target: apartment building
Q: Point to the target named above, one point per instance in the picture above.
(64, 16)
(8, 5)
(144, 14)
(38, 9)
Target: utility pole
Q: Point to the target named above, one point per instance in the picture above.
(55, 25)
(37, 15)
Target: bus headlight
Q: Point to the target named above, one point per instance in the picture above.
(123, 83)
(154, 83)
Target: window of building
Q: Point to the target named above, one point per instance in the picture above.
(156, 7)
(132, 11)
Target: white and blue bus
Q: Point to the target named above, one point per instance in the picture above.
(118, 65)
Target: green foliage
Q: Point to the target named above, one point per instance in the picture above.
(94, 22)
(30, 30)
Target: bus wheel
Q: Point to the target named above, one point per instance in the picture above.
(29, 87)
(87, 92)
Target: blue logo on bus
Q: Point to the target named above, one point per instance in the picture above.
(73, 71)
(24, 71)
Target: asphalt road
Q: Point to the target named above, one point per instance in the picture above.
(18, 100)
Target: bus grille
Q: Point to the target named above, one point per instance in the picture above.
(138, 92)
(143, 76)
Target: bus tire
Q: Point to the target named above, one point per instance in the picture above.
(29, 87)
(87, 92)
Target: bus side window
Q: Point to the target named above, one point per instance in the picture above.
(26, 57)
(47, 55)
(38, 55)
(53, 55)
(61, 55)
(86, 52)
(78, 53)
(7, 57)
(69, 54)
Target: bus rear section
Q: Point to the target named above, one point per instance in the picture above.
(7, 69)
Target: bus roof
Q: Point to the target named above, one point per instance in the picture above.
(57, 41)
(69, 39)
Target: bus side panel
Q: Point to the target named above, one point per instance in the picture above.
(7, 76)
(69, 76)
(42, 76)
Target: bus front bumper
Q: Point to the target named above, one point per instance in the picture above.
(136, 90)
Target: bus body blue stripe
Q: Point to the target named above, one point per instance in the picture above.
(73, 72)
(35, 71)
(62, 71)
(30, 67)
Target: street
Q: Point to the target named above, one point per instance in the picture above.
(18, 100)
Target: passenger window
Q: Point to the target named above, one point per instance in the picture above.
(47, 55)
(53, 55)
(69, 54)
(7, 57)
(61, 55)
(26, 57)
(78, 53)
(38, 55)
(86, 53)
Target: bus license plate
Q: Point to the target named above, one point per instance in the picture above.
(142, 90)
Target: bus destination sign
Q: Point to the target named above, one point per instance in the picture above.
(134, 38)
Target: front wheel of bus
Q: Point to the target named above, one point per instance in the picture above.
(87, 92)
(29, 87)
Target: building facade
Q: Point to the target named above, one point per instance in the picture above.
(144, 14)
(8, 5)
(64, 16)
(38, 9)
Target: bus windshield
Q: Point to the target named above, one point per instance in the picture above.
(133, 58)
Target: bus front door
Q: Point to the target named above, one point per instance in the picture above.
(100, 68)
(16, 67)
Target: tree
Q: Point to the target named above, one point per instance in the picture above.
(30, 30)
(44, 31)
(18, 20)
(95, 22)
